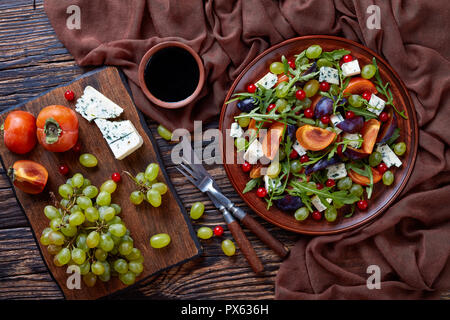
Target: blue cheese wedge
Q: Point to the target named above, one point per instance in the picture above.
(354, 139)
(330, 75)
(270, 183)
(350, 68)
(318, 204)
(335, 119)
(376, 104)
(94, 105)
(336, 171)
(236, 130)
(268, 81)
(388, 156)
(254, 152)
(121, 136)
(298, 147)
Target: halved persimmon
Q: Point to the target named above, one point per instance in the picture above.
(314, 138)
(271, 141)
(28, 176)
(282, 78)
(362, 180)
(369, 134)
(360, 85)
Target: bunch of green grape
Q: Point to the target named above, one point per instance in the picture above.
(86, 230)
(148, 187)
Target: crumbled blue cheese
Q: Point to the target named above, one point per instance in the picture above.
(318, 204)
(335, 119)
(354, 139)
(254, 152)
(388, 156)
(268, 81)
(236, 130)
(270, 183)
(94, 105)
(376, 104)
(298, 148)
(330, 75)
(350, 68)
(336, 171)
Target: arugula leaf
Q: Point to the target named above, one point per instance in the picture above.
(361, 112)
(334, 55)
(285, 64)
(252, 184)
(338, 196)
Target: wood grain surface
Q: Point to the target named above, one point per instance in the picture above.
(32, 60)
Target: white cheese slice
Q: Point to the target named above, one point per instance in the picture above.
(270, 183)
(336, 171)
(254, 152)
(354, 139)
(335, 119)
(93, 105)
(236, 130)
(330, 75)
(376, 104)
(389, 157)
(298, 147)
(268, 81)
(318, 204)
(350, 68)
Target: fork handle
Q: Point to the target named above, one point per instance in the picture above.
(245, 246)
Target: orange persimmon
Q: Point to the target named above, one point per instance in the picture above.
(28, 176)
(271, 141)
(369, 134)
(362, 180)
(360, 85)
(314, 138)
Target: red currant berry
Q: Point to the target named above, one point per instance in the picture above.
(246, 167)
(325, 119)
(63, 169)
(319, 186)
(251, 88)
(324, 86)
(309, 113)
(300, 94)
(382, 168)
(330, 183)
(218, 231)
(366, 95)
(304, 158)
(384, 116)
(271, 107)
(77, 147)
(349, 115)
(293, 155)
(316, 215)
(291, 63)
(69, 95)
(362, 204)
(347, 58)
(116, 177)
(261, 192)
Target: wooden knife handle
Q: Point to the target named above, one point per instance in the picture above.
(265, 236)
(245, 246)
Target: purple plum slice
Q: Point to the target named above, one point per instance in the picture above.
(288, 203)
(388, 128)
(352, 125)
(323, 108)
(321, 164)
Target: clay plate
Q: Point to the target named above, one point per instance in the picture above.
(382, 196)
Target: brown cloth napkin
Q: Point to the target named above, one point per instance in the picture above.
(410, 242)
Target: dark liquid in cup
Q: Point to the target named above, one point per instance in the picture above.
(171, 74)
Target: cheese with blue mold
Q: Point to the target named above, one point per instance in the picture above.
(350, 68)
(388, 156)
(236, 130)
(328, 74)
(376, 104)
(268, 81)
(94, 105)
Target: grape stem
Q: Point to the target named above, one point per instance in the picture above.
(143, 188)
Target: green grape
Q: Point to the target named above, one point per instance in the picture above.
(114, 238)
(116, 220)
(322, 62)
(69, 230)
(78, 256)
(281, 104)
(69, 181)
(331, 214)
(90, 191)
(164, 132)
(93, 239)
(89, 279)
(120, 265)
(77, 180)
(63, 256)
(344, 183)
(303, 61)
(65, 191)
(322, 125)
(106, 213)
(106, 242)
(240, 143)
(228, 247)
(51, 212)
(368, 71)
(75, 208)
(103, 198)
(100, 254)
(84, 202)
(305, 103)
(375, 159)
(76, 218)
(301, 214)
(134, 255)
(197, 210)
(160, 240)
(53, 249)
(55, 224)
(244, 121)
(313, 51)
(356, 190)
(151, 172)
(91, 214)
(85, 268)
(45, 241)
(388, 178)
(81, 242)
(135, 267)
(281, 154)
(64, 202)
(86, 183)
(117, 229)
(311, 185)
(334, 90)
(296, 166)
(127, 278)
(355, 101)
(311, 88)
(88, 160)
(273, 170)
(56, 238)
(204, 233)
(117, 208)
(154, 197)
(127, 237)
(97, 268)
(400, 148)
(125, 248)
(136, 197)
(160, 187)
(109, 186)
(140, 259)
(106, 276)
(276, 67)
(281, 91)
(140, 177)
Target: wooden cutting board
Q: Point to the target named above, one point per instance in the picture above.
(143, 221)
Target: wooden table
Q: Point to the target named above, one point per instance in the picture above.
(32, 60)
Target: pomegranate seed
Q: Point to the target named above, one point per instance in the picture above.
(116, 177)
(366, 95)
(319, 186)
(316, 215)
(362, 204)
(382, 168)
(304, 158)
(324, 86)
(300, 94)
(325, 119)
(349, 115)
(261, 192)
(246, 167)
(271, 107)
(309, 113)
(293, 155)
(291, 63)
(77, 147)
(384, 116)
(218, 231)
(347, 58)
(63, 169)
(330, 183)
(251, 88)
(69, 95)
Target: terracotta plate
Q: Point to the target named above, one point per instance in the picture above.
(382, 196)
